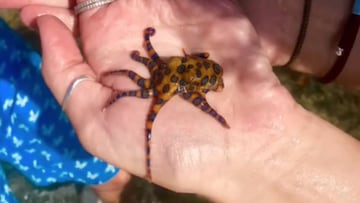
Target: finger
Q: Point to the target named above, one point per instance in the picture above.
(30, 13)
(21, 3)
(62, 63)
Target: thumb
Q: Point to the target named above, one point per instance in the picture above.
(62, 60)
(62, 64)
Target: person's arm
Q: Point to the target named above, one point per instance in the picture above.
(311, 161)
(278, 24)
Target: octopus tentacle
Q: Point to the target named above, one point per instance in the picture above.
(139, 80)
(200, 102)
(148, 46)
(141, 93)
(159, 102)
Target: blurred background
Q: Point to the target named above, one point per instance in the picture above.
(338, 105)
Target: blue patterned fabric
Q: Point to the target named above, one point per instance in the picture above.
(35, 136)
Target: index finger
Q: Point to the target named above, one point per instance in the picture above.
(17, 4)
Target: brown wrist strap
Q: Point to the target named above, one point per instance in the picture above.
(345, 45)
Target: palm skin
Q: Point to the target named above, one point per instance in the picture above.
(189, 148)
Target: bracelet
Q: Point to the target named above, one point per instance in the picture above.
(302, 34)
(345, 45)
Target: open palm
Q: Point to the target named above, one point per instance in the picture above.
(188, 146)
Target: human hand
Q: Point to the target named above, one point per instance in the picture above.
(186, 151)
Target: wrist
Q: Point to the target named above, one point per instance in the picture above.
(308, 161)
(317, 162)
(323, 163)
